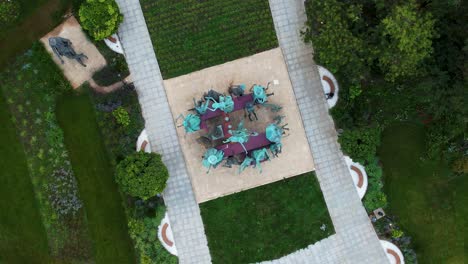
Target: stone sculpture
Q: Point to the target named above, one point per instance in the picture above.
(63, 47)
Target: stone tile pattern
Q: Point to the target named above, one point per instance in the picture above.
(355, 240)
(183, 210)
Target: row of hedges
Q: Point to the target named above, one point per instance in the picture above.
(140, 176)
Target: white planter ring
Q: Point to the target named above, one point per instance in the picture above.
(394, 254)
(358, 172)
(329, 84)
(166, 237)
(143, 142)
(113, 42)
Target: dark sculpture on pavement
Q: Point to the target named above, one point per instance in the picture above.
(63, 47)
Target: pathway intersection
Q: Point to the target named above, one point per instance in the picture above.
(355, 240)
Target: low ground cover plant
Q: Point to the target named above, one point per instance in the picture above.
(121, 116)
(9, 12)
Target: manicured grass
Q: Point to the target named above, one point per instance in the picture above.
(425, 195)
(22, 235)
(95, 176)
(266, 222)
(189, 35)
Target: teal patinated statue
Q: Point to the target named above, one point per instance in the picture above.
(241, 135)
(259, 94)
(225, 104)
(212, 158)
(260, 155)
(191, 123)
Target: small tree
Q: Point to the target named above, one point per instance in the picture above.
(142, 175)
(121, 116)
(100, 17)
(360, 144)
(407, 41)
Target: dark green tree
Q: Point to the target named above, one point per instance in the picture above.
(335, 45)
(9, 12)
(142, 175)
(406, 41)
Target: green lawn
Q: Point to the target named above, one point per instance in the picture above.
(189, 35)
(425, 196)
(95, 176)
(266, 222)
(22, 235)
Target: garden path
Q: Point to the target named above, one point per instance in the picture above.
(355, 240)
(72, 70)
(182, 208)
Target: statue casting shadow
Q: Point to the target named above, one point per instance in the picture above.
(63, 47)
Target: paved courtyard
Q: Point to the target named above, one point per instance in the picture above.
(261, 68)
(355, 240)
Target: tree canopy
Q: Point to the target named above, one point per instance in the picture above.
(142, 175)
(101, 18)
(406, 41)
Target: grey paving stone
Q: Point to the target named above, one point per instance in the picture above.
(183, 210)
(355, 240)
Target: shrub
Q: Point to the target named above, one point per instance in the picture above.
(375, 199)
(122, 117)
(100, 17)
(396, 233)
(407, 41)
(360, 144)
(142, 175)
(9, 12)
(144, 234)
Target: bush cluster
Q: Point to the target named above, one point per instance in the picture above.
(144, 232)
(101, 18)
(121, 116)
(142, 175)
(360, 144)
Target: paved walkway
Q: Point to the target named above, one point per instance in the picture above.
(183, 210)
(355, 240)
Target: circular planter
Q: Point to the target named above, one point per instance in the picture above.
(113, 43)
(329, 84)
(143, 142)
(358, 172)
(166, 237)
(394, 254)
